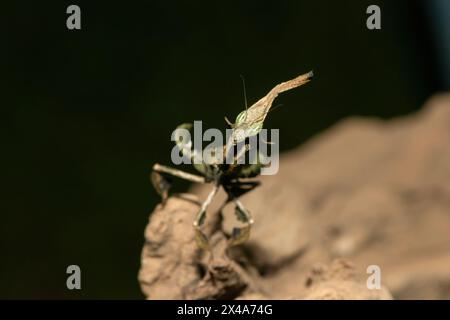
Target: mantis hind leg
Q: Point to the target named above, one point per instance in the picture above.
(162, 185)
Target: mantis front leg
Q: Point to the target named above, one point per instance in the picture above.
(201, 238)
(240, 235)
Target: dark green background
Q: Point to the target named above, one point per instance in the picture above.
(88, 112)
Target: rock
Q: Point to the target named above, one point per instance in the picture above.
(338, 282)
(169, 262)
(174, 267)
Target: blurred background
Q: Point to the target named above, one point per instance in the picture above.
(89, 111)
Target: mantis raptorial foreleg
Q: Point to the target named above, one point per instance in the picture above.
(201, 238)
(240, 235)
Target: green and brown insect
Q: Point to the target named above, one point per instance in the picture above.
(235, 178)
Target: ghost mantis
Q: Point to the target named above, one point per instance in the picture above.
(235, 178)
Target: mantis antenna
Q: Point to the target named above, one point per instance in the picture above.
(245, 99)
(245, 95)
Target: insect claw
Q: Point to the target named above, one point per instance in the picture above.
(201, 239)
(239, 236)
(229, 122)
(161, 185)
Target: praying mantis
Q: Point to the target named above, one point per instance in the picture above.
(236, 178)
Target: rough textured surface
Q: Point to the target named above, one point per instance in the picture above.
(372, 192)
(172, 265)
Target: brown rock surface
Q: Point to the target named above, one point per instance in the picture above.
(373, 192)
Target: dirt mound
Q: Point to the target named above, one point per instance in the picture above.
(368, 191)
